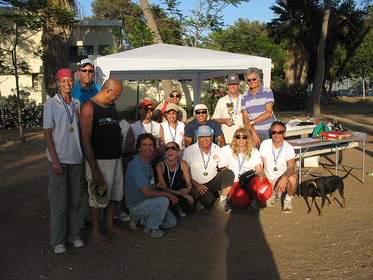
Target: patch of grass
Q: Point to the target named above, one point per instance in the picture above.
(361, 100)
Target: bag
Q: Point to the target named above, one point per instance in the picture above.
(262, 189)
(246, 177)
(321, 127)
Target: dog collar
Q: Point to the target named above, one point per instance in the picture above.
(313, 182)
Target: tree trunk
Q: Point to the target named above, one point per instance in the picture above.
(14, 61)
(156, 38)
(314, 105)
(56, 51)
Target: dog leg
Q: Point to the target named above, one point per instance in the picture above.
(312, 205)
(322, 205)
(343, 199)
(332, 196)
(308, 205)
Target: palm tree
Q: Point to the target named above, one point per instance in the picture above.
(297, 25)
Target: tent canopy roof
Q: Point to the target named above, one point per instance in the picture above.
(163, 61)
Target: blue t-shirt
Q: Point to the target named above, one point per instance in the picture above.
(138, 175)
(82, 94)
(190, 129)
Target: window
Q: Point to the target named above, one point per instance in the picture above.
(101, 48)
(81, 50)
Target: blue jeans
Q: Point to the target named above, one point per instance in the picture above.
(154, 213)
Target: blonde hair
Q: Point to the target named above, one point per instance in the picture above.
(249, 143)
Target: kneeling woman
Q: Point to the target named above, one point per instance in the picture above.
(242, 157)
(174, 174)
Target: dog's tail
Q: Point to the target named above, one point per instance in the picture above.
(348, 173)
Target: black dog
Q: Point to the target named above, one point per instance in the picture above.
(324, 186)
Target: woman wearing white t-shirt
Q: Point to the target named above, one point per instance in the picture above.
(242, 157)
(172, 128)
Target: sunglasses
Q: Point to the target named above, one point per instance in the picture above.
(175, 95)
(241, 136)
(172, 148)
(201, 112)
(277, 132)
(147, 109)
(85, 70)
(253, 79)
(117, 95)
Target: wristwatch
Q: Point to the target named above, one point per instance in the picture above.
(252, 122)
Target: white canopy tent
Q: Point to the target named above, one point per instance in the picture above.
(162, 61)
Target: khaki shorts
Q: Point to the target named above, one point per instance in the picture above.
(112, 173)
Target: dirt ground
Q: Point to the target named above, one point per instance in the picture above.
(272, 245)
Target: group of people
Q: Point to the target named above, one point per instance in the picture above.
(177, 167)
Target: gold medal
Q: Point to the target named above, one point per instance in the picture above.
(275, 169)
(205, 173)
(71, 129)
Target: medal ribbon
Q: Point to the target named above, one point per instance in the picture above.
(279, 152)
(203, 158)
(143, 128)
(240, 163)
(70, 117)
(230, 100)
(169, 127)
(168, 173)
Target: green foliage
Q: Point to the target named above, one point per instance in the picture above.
(32, 114)
(212, 96)
(109, 50)
(288, 97)
(250, 38)
(205, 17)
(135, 32)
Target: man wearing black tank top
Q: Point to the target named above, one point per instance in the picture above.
(101, 139)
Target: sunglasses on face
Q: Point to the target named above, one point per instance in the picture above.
(148, 108)
(117, 95)
(201, 112)
(85, 70)
(175, 95)
(241, 136)
(253, 79)
(278, 132)
(172, 148)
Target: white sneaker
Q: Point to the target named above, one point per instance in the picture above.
(123, 216)
(78, 243)
(60, 248)
(200, 206)
(288, 207)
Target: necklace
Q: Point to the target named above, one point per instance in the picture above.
(69, 116)
(274, 155)
(171, 180)
(205, 164)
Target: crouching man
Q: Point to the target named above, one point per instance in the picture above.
(147, 204)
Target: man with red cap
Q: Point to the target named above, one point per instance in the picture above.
(145, 125)
(65, 164)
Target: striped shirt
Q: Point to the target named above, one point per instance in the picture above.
(255, 105)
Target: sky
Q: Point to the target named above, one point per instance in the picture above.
(252, 10)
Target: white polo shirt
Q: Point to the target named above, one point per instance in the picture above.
(192, 155)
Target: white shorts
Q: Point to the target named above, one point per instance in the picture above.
(112, 173)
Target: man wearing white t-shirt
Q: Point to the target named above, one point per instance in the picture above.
(228, 109)
(204, 159)
(145, 125)
(278, 157)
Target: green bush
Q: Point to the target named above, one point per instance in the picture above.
(31, 113)
(288, 97)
